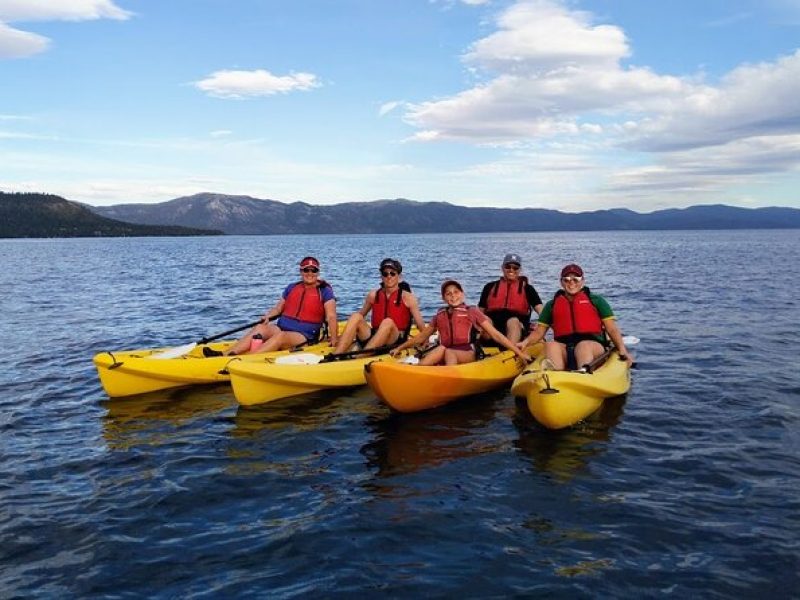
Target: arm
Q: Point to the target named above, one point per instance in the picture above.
(410, 300)
(368, 302)
(420, 338)
(275, 310)
(535, 336)
(498, 337)
(613, 332)
(484, 301)
(330, 317)
(533, 298)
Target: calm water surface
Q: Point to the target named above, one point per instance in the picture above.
(686, 488)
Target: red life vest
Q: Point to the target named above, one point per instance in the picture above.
(391, 307)
(510, 296)
(305, 303)
(454, 326)
(577, 317)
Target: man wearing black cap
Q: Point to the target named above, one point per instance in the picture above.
(509, 301)
(393, 308)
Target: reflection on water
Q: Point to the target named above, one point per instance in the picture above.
(565, 452)
(153, 418)
(405, 443)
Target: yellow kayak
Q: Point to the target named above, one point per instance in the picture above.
(274, 377)
(558, 399)
(130, 372)
(411, 388)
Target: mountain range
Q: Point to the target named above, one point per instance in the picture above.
(45, 215)
(248, 215)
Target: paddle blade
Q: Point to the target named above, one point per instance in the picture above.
(176, 352)
(305, 358)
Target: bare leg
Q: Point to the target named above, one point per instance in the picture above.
(514, 329)
(434, 357)
(458, 357)
(387, 333)
(266, 330)
(281, 341)
(586, 351)
(557, 353)
(355, 327)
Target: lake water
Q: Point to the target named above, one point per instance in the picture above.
(689, 487)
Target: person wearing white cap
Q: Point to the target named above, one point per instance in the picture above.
(510, 300)
(303, 308)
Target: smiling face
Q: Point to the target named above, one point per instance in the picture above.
(310, 275)
(453, 295)
(572, 284)
(511, 271)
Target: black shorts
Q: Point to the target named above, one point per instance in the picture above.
(500, 318)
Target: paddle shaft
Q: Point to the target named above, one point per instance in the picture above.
(354, 353)
(205, 340)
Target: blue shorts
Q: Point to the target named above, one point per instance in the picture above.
(309, 330)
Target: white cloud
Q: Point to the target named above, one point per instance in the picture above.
(549, 73)
(540, 35)
(388, 107)
(243, 84)
(220, 133)
(752, 100)
(60, 10)
(15, 43)
(19, 44)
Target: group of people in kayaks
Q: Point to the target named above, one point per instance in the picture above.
(582, 321)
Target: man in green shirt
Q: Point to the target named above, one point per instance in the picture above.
(581, 321)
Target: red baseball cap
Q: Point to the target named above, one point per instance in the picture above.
(309, 261)
(572, 269)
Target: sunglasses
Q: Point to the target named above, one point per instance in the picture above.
(388, 273)
(511, 267)
(571, 279)
(310, 270)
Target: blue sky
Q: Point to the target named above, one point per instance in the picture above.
(573, 105)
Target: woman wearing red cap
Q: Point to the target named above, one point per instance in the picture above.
(393, 308)
(580, 320)
(303, 308)
(458, 326)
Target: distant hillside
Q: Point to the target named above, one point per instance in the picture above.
(45, 215)
(247, 215)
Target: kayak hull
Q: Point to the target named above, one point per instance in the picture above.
(133, 372)
(258, 382)
(559, 399)
(411, 388)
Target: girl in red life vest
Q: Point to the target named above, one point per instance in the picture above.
(393, 308)
(458, 326)
(303, 307)
(580, 320)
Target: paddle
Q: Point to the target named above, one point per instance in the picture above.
(186, 348)
(628, 340)
(354, 353)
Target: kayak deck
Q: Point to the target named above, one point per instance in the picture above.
(267, 380)
(412, 388)
(559, 399)
(132, 372)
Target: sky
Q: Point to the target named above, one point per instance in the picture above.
(572, 105)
